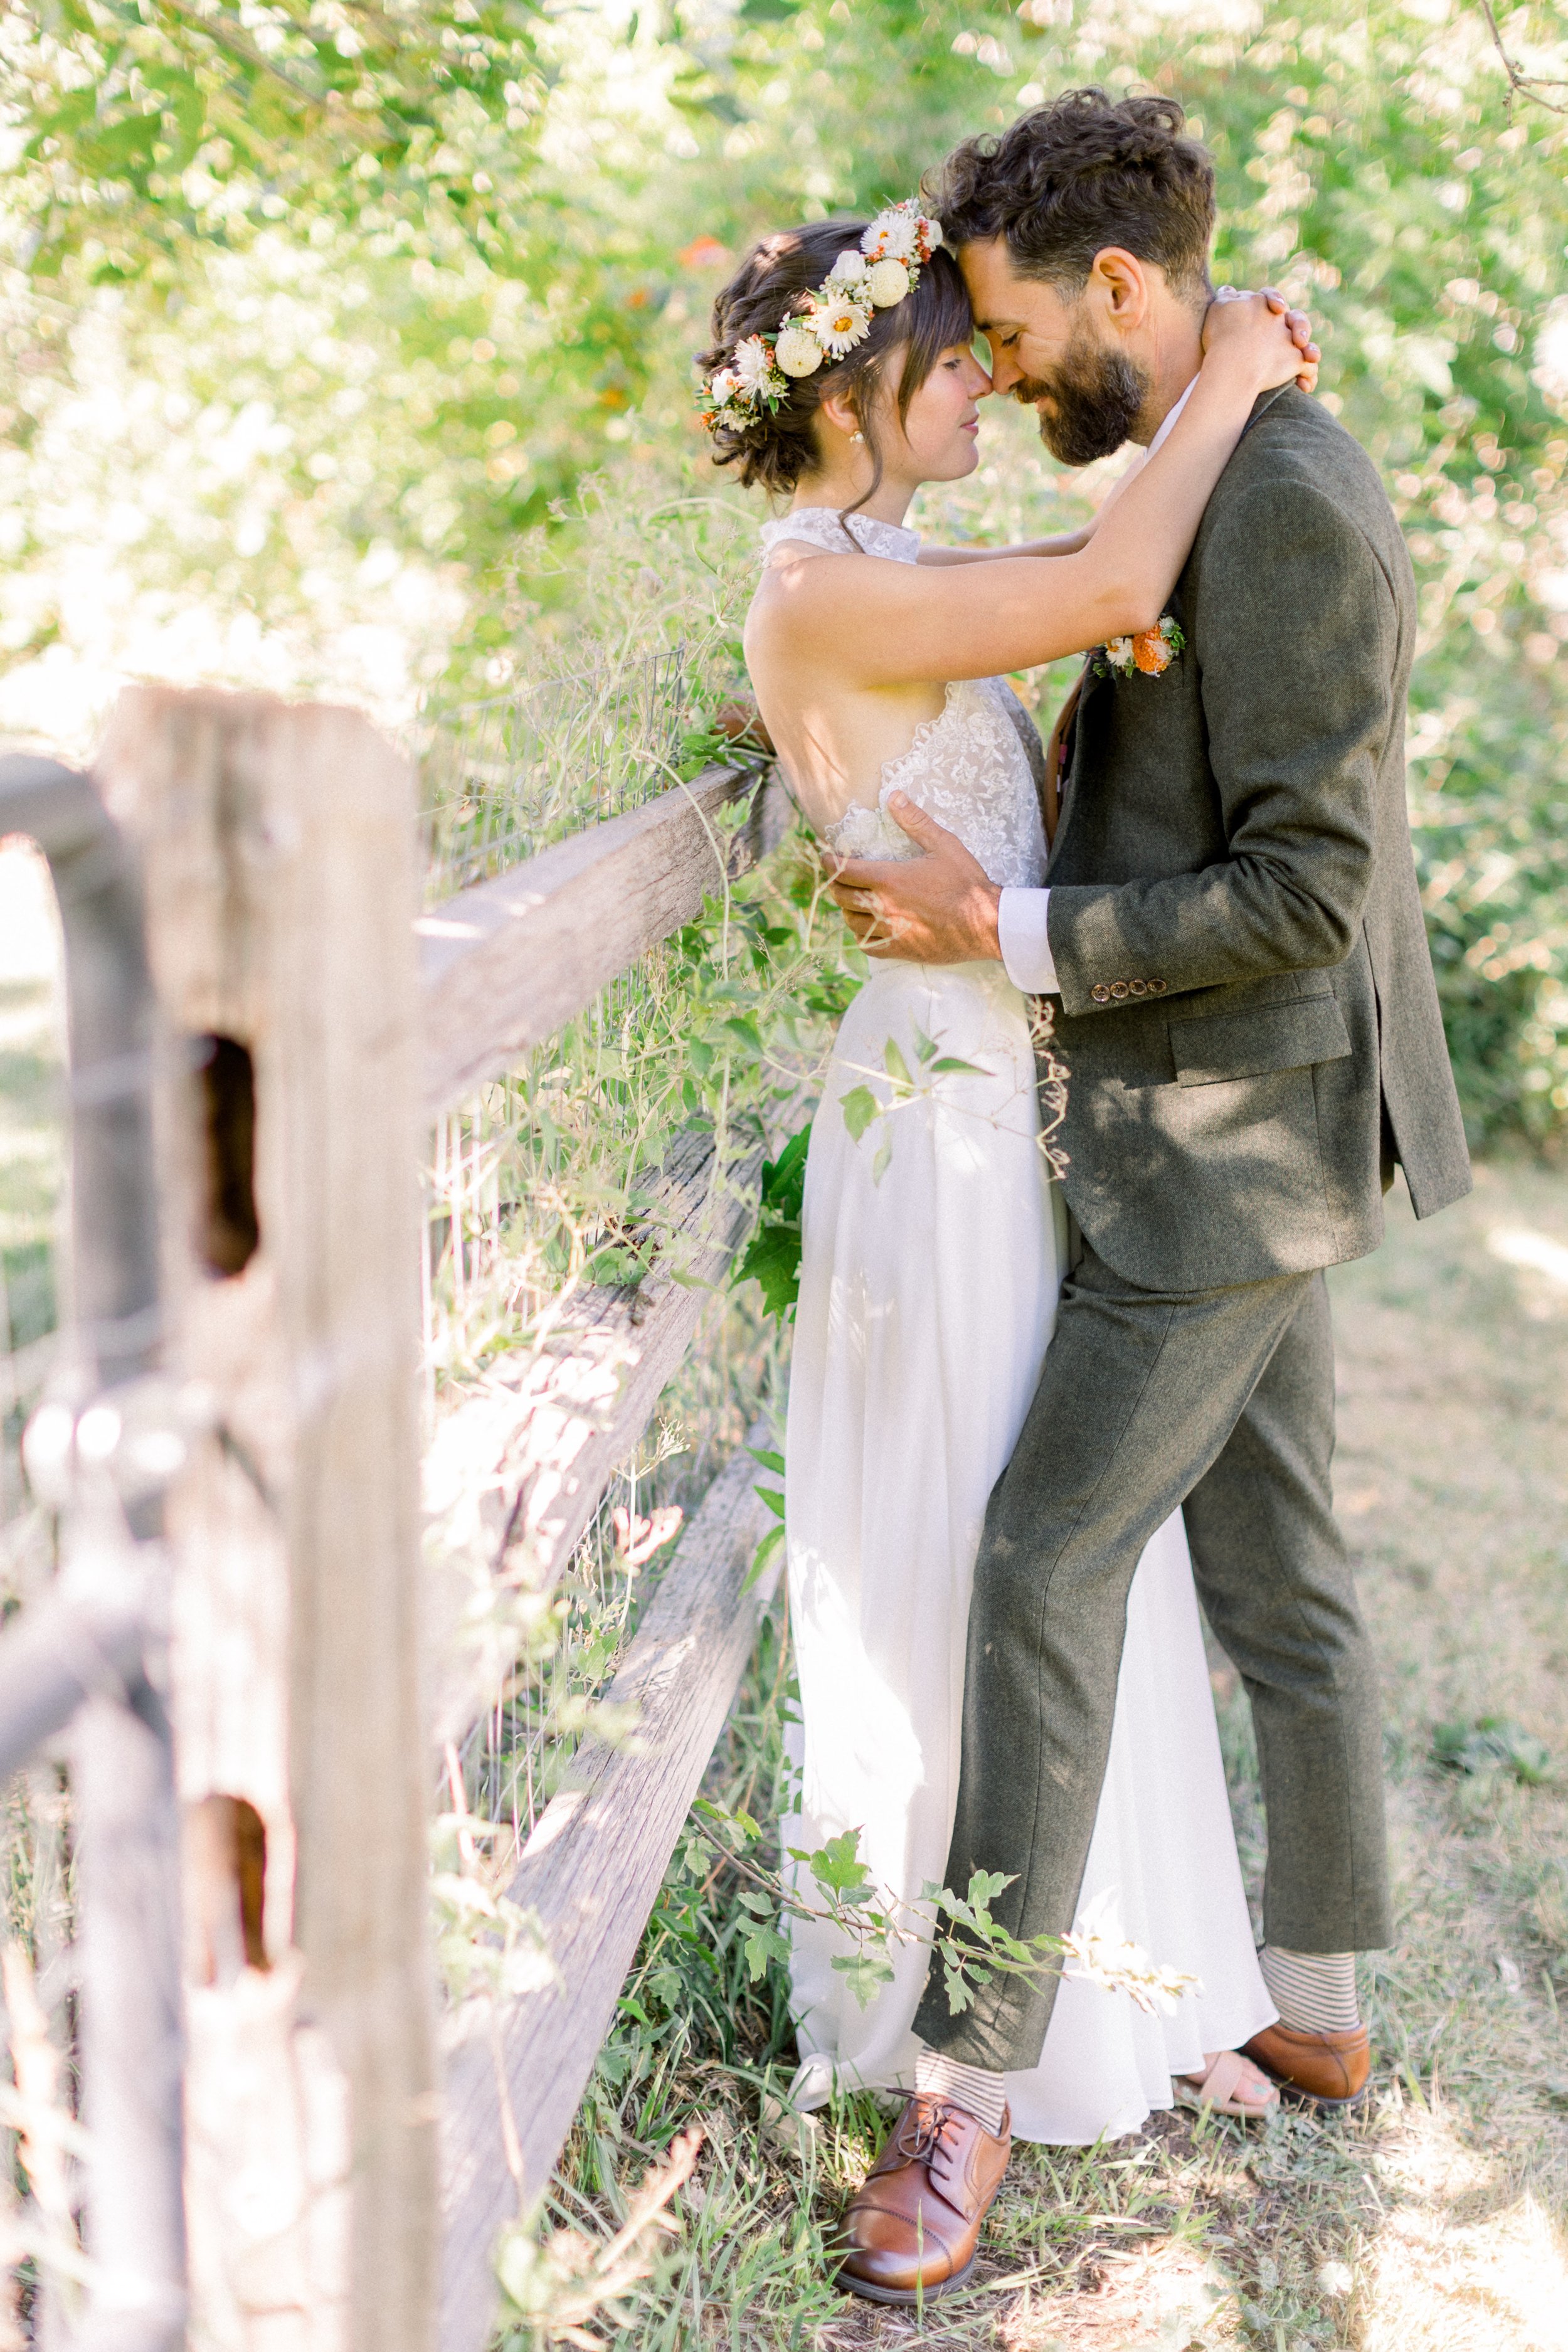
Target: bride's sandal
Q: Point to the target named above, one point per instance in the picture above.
(1230, 2084)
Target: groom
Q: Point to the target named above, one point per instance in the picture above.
(1231, 941)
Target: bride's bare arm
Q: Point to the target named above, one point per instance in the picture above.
(1066, 543)
(885, 624)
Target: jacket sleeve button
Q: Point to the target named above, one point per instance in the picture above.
(1158, 987)
(1138, 987)
(1101, 994)
(1119, 989)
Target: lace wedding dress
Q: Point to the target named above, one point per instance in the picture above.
(934, 1252)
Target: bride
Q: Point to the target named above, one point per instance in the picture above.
(842, 377)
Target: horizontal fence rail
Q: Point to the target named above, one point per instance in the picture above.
(504, 966)
(517, 2069)
(545, 1442)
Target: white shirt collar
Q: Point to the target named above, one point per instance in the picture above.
(1168, 424)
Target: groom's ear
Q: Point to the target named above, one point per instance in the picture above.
(1119, 287)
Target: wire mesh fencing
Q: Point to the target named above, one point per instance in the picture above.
(499, 780)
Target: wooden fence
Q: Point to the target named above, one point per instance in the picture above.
(277, 844)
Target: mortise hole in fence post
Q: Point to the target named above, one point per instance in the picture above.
(276, 844)
(230, 1231)
(226, 1864)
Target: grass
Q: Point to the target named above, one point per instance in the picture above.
(1433, 2222)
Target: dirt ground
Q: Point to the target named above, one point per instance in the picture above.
(1435, 2222)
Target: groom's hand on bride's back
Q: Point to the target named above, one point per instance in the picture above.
(940, 907)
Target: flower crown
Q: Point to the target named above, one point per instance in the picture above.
(876, 275)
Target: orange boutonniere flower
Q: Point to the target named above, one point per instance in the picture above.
(1152, 651)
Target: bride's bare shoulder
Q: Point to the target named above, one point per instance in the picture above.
(804, 590)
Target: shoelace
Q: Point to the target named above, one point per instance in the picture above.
(929, 2120)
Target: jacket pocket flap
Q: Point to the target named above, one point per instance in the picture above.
(1262, 1037)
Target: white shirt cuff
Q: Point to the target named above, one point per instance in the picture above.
(1025, 949)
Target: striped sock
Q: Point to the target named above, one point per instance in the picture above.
(1313, 1991)
(979, 2093)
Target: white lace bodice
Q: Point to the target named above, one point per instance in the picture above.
(977, 767)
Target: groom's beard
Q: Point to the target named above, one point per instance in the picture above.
(1097, 397)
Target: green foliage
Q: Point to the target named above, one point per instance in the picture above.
(1494, 1743)
(388, 282)
(773, 1256)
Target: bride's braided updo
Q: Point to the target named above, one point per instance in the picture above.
(777, 278)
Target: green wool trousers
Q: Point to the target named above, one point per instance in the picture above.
(1221, 1401)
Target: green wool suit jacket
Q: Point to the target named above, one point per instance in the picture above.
(1247, 1010)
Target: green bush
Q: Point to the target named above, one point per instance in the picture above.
(321, 332)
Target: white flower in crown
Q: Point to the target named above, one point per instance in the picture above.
(838, 325)
(851, 268)
(888, 282)
(752, 366)
(724, 386)
(797, 352)
(891, 237)
(901, 233)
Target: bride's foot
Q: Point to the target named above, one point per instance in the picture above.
(1231, 2086)
(911, 2231)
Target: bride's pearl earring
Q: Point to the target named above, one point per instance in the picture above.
(857, 437)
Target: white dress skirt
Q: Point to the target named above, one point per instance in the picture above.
(934, 1255)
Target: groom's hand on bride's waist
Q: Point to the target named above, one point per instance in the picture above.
(939, 908)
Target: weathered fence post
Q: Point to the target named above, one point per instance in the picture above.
(278, 847)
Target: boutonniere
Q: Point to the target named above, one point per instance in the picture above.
(1152, 651)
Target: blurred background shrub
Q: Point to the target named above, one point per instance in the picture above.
(345, 343)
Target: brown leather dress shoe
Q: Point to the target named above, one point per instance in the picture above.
(911, 2232)
(1319, 2070)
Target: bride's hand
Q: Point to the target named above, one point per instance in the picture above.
(1262, 332)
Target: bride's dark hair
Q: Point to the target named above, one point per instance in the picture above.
(773, 283)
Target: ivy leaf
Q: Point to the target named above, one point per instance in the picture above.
(773, 1499)
(860, 1107)
(898, 1069)
(774, 1462)
(837, 1868)
(965, 1069)
(773, 1260)
(865, 1972)
(764, 1944)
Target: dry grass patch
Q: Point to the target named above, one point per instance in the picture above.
(1433, 2222)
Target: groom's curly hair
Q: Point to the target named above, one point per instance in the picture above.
(1083, 172)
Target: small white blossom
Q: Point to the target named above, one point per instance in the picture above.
(888, 283)
(752, 365)
(797, 352)
(848, 270)
(1118, 652)
(725, 386)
